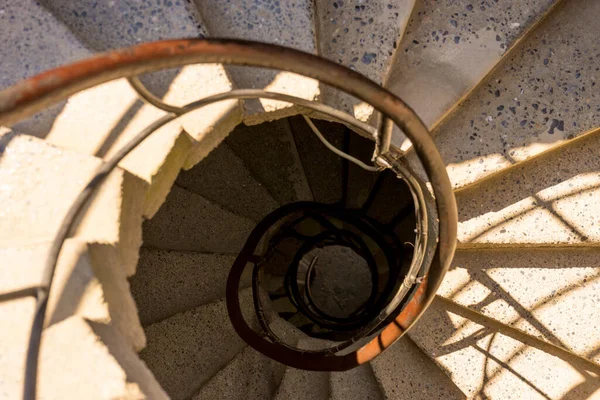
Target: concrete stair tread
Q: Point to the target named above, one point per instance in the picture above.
(546, 200)
(311, 384)
(450, 47)
(223, 179)
(120, 113)
(363, 37)
(34, 41)
(272, 157)
(168, 282)
(403, 371)
(285, 23)
(189, 222)
(29, 169)
(542, 95)
(74, 344)
(359, 383)
(485, 363)
(323, 168)
(250, 375)
(89, 281)
(551, 294)
(187, 349)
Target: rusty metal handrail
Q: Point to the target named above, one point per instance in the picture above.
(28, 97)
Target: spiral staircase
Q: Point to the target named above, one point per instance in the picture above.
(139, 306)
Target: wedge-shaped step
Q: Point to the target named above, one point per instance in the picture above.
(359, 181)
(551, 294)
(89, 281)
(362, 36)
(324, 169)
(78, 359)
(250, 375)
(485, 363)
(223, 179)
(39, 184)
(405, 372)
(186, 279)
(186, 350)
(550, 199)
(187, 221)
(450, 47)
(34, 41)
(270, 153)
(309, 385)
(358, 383)
(284, 23)
(543, 94)
(112, 113)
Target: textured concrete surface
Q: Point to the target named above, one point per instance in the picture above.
(169, 282)
(89, 281)
(186, 350)
(552, 294)
(543, 94)
(360, 181)
(223, 179)
(449, 46)
(324, 169)
(284, 23)
(358, 383)
(362, 36)
(78, 359)
(308, 385)
(549, 200)
(36, 202)
(390, 197)
(118, 116)
(486, 364)
(250, 375)
(270, 153)
(405, 372)
(34, 41)
(187, 221)
(342, 281)
(75, 288)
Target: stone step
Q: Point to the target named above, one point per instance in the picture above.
(323, 168)
(541, 95)
(289, 24)
(309, 385)
(34, 41)
(89, 281)
(448, 49)
(362, 36)
(250, 375)
(551, 294)
(186, 350)
(223, 179)
(485, 363)
(68, 351)
(358, 383)
(403, 371)
(168, 282)
(271, 155)
(548, 200)
(189, 222)
(360, 181)
(39, 184)
(112, 113)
